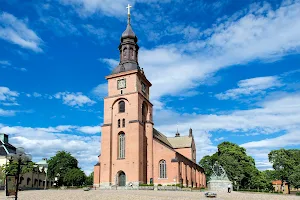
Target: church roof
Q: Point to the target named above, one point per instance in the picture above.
(128, 33)
(180, 142)
(126, 66)
(161, 137)
(173, 142)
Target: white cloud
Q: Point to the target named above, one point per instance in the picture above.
(90, 129)
(250, 87)
(105, 7)
(35, 94)
(74, 99)
(100, 33)
(289, 139)
(100, 91)
(5, 62)
(111, 63)
(219, 139)
(8, 96)
(16, 31)
(60, 27)
(7, 112)
(259, 33)
(45, 142)
(279, 114)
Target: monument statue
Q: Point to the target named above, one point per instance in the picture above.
(218, 172)
(218, 180)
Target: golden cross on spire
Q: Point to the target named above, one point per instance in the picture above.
(128, 8)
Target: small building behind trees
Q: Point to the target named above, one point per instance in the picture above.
(32, 179)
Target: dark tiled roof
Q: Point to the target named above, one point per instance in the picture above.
(128, 33)
(10, 148)
(2, 151)
(161, 137)
(126, 66)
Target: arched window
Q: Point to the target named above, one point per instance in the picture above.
(125, 52)
(123, 123)
(28, 181)
(162, 169)
(119, 123)
(121, 106)
(122, 145)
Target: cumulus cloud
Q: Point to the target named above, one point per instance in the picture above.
(8, 96)
(258, 33)
(74, 99)
(106, 7)
(45, 142)
(252, 86)
(279, 114)
(7, 112)
(111, 63)
(90, 129)
(16, 31)
(100, 90)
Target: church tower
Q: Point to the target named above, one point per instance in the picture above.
(127, 132)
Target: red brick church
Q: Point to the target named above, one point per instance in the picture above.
(132, 150)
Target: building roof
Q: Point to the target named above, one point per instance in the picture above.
(161, 137)
(278, 182)
(174, 142)
(125, 66)
(181, 141)
(128, 33)
(6, 148)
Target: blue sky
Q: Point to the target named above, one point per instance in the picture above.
(228, 69)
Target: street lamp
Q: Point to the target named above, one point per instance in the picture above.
(21, 157)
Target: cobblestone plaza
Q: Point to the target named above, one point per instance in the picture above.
(140, 195)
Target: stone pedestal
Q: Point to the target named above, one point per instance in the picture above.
(219, 185)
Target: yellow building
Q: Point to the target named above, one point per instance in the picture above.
(34, 179)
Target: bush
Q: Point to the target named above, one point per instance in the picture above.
(159, 185)
(297, 193)
(143, 184)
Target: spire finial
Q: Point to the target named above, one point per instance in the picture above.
(128, 9)
(177, 133)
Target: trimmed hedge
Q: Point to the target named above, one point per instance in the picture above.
(142, 184)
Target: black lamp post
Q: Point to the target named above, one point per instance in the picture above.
(20, 157)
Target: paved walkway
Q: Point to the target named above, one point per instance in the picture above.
(139, 195)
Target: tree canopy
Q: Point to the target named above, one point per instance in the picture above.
(286, 163)
(65, 166)
(238, 165)
(11, 168)
(74, 176)
(90, 179)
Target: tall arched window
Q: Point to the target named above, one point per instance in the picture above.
(119, 123)
(121, 145)
(162, 169)
(123, 123)
(121, 106)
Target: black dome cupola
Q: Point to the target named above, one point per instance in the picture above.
(128, 50)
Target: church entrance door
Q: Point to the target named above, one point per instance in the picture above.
(122, 178)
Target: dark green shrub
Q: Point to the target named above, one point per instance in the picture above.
(297, 193)
(143, 184)
(159, 185)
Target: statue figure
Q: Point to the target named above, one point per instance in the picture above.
(218, 172)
